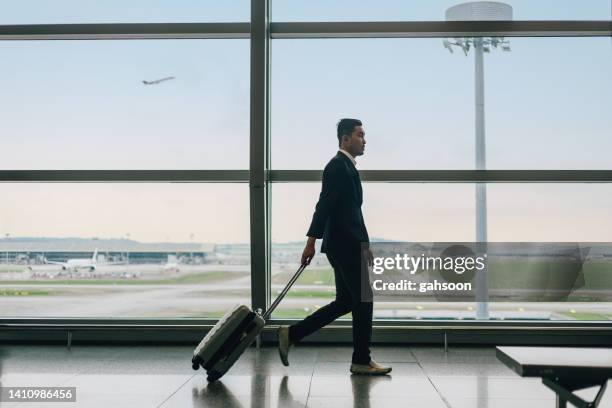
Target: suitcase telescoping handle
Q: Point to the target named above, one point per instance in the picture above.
(284, 292)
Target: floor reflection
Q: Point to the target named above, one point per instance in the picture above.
(261, 394)
(214, 395)
(217, 394)
(362, 385)
(285, 398)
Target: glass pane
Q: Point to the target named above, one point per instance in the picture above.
(446, 213)
(117, 11)
(549, 212)
(414, 214)
(93, 110)
(545, 103)
(160, 250)
(396, 10)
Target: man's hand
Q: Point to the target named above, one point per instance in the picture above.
(368, 256)
(309, 251)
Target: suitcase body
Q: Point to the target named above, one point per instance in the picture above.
(233, 334)
(227, 340)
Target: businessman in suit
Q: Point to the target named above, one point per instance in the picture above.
(339, 221)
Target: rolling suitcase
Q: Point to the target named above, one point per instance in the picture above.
(232, 334)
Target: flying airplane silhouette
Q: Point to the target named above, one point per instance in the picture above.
(157, 81)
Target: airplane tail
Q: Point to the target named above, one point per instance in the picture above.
(95, 255)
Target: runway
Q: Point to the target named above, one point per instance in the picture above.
(156, 294)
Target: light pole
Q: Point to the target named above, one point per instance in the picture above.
(476, 11)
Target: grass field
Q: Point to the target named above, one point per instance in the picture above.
(322, 276)
(301, 313)
(26, 292)
(520, 274)
(588, 316)
(280, 313)
(506, 274)
(208, 277)
(331, 293)
(12, 268)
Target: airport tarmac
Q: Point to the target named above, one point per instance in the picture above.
(148, 296)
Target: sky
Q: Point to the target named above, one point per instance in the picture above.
(81, 105)
(175, 11)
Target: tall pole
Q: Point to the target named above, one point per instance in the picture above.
(480, 11)
(482, 293)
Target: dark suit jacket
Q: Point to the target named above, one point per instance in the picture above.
(338, 218)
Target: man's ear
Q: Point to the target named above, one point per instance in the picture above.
(344, 139)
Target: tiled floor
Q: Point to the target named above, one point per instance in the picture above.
(148, 376)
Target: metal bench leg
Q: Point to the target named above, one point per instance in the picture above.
(599, 395)
(564, 393)
(561, 403)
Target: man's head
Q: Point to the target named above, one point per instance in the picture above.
(351, 136)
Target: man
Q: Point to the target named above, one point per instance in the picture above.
(339, 221)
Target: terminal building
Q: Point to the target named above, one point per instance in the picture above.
(24, 251)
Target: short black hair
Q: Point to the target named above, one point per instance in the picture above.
(346, 126)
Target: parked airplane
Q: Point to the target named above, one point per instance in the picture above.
(75, 264)
(157, 81)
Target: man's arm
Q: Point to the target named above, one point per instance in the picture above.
(330, 191)
(309, 251)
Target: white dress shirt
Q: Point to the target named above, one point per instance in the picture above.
(349, 156)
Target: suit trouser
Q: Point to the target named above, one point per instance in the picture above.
(347, 272)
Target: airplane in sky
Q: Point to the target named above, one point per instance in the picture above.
(74, 264)
(157, 81)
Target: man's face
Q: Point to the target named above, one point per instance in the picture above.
(355, 144)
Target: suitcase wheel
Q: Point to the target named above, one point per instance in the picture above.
(195, 363)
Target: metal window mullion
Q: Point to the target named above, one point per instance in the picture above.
(125, 31)
(136, 176)
(258, 191)
(455, 176)
(424, 29)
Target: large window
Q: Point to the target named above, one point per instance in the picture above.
(540, 102)
(93, 110)
(415, 212)
(104, 123)
(446, 213)
(123, 250)
(545, 103)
